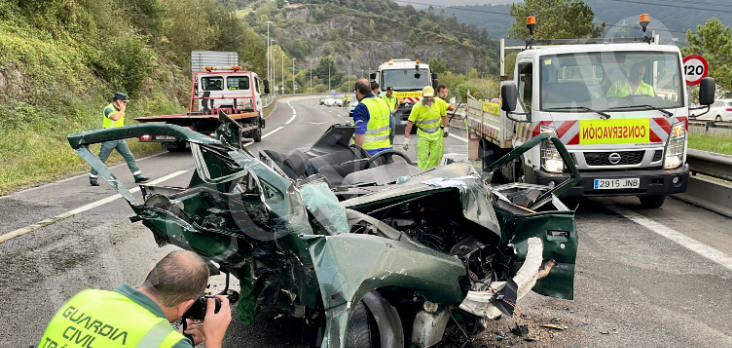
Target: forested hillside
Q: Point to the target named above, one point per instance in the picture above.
(61, 60)
(359, 35)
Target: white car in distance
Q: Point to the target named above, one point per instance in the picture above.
(720, 111)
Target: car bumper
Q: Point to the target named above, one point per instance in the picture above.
(652, 181)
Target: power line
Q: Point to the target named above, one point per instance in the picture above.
(673, 6)
(458, 8)
(465, 9)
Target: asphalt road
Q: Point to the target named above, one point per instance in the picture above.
(644, 278)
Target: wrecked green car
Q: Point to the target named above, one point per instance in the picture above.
(366, 250)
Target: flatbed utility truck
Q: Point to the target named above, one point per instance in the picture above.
(620, 106)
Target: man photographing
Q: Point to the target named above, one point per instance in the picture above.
(141, 317)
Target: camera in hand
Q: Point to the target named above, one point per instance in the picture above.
(198, 309)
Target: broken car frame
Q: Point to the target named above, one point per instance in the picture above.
(394, 265)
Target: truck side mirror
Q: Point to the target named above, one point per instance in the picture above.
(706, 91)
(435, 82)
(509, 95)
(372, 76)
(266, 87)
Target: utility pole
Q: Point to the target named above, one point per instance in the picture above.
(267, 54)
(328, 76)
(283, 72)
(274, 70)
(293, 75)
(311, 79)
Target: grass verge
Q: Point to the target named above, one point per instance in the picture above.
(34, 149)
(713, 143)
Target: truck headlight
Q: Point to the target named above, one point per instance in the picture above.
(675, 147)
(551, 160)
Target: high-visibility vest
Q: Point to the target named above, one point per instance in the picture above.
(108, 122)
(622, 89)
(427, 119)
(392, 102)
(106, 319)
(377, 130)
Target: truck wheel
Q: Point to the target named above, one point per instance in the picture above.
(374, 323)
(257, 133)
(652, 202)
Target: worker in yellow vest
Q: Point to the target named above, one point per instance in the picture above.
(141, 317)
(114, 116)
(426, 115)
(634, 85)
(393, 103)
(371, 119)
(390, 99)
(441, 101)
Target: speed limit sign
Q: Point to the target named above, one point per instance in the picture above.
(695, 69)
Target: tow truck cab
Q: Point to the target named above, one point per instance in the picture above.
(229, 89)
(621, 109)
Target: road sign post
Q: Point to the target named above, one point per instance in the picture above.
(695, 69)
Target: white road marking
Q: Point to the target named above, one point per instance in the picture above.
(457, 137)
(692, 244)
(272, 132)
(294, 113)
(70, 213)
(32, 227)
(85, 174)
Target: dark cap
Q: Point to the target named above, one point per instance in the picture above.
(119, 96)
(389, 88)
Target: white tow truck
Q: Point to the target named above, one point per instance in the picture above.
(620, 106)
(407, 77)
(216, 88)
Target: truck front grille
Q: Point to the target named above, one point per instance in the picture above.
(604, 159)
(657, 155)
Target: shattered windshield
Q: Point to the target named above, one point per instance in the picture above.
(404, 79)
(607, 80)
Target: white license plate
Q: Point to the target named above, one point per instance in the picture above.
(614, 184)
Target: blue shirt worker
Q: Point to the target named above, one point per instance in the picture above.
(114, 116)
(141, 317)
(372, 120)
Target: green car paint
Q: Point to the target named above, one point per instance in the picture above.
(277, 238)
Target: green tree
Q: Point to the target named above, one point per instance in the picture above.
(556, 19)
(438, 65)
(321, 71)
(714, 42)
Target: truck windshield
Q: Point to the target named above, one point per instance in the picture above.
(608, 80)
(404, 79)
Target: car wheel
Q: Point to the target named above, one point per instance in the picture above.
(652, 202)
(374, 322)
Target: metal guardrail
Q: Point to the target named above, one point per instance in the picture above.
(711, 124)
(704, 127)
(709, 163)
(706, 193)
